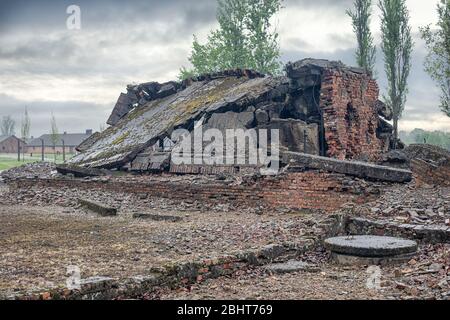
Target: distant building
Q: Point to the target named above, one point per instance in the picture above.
(11, 144)
(67, 140)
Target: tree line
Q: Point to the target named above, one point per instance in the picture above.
(436, 138)
(246, 38)
(8, 125)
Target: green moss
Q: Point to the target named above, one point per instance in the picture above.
(203, 99)
(178, 112)
(121, 139)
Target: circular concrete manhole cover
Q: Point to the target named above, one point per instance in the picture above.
(371, 246)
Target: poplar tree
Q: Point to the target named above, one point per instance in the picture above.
(366, 50)
(437, 62)
(397, 45)
(54, 135)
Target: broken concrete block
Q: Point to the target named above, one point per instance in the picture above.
(96, 284)
(96, 207)
(157, 217)
(167, 89)
(86, 144)
(296, 135)
(121, 109)
(291, 266)
(261, 117)
(396, 159)
(79, 172)
(154, 162)
(272, 251)
(358, 169)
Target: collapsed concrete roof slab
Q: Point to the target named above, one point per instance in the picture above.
(333, 106)
(80, 172)
(145, 125)
(354, 168)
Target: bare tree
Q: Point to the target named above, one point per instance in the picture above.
(26, 125)
(25, 129)
(54, 134)
(8, 126)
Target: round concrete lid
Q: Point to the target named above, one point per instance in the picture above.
(370, 246)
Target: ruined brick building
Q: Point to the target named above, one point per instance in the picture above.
(332, 130)
(320, 107)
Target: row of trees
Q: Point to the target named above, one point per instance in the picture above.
(8, 125)
(397, 46)
(246, 39)
(437, 138)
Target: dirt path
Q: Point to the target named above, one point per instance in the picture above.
(37, 244)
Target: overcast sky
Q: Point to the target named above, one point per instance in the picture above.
(78, 74)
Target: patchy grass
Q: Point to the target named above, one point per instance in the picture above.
(8, 161)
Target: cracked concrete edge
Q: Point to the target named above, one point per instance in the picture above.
(172, 275)
(434, 234)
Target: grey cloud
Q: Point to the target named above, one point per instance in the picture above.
(308, 4)
(37, 48)
(107, 27)
(115, 47)
(71, 116)
(48, 14)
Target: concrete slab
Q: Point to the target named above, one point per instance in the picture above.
(347, 260)
(370, 246)
(354, 168)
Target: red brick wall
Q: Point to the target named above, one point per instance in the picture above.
(431, 174)
(49, 150)
(10, 145)
(305, 190)
(350, 118)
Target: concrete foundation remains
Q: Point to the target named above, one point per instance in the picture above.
(370, 250)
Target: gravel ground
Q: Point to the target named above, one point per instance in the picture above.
(38, 243)
(410, 204)
(425, 277)
(44, 232)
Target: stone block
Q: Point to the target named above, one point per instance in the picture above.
(97, 207)
(353, 168)
(291, 266)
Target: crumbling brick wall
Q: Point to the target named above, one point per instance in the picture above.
(348, 100)
(295, 190)
(429, 173)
